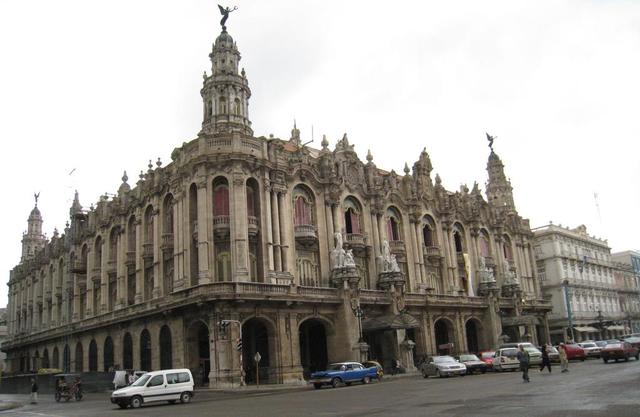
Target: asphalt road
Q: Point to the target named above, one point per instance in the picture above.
(590, 389)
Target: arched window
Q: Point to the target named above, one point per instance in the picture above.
(223, 105)
(251, 198)
(167, 226)
(393, 225)
(428, 231)
(131, 235)
(302, 206)
(237, 108)
(484, 244)
(223, 266)
(148, 225)
(352, 216)
(457, 239)
(98, 252)
(508, 251)
(221, 200)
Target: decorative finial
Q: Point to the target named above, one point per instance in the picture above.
(244, 74)
(36, 196)
(406, 169)
(125, 178)
(204, 75)
(158, 163)
(225, 15)
(325, 142)
(141, 175)
(150, 166)
(490, 139)
(369, 156)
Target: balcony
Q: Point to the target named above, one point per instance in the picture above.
(147, 251)
(355, 240)
(167, 243)
(253, 226)
(131, 258)
(432, 253)
(397, 246)
(221, 226)
(78, 267)
(306, 233)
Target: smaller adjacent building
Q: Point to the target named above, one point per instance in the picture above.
(577, 275)
(627, 277)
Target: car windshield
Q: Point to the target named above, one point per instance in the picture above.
(337, 367)
(469, 358)
(614, 345)
(588, 345)
(531, 349)
(511, 352)
(142, 380)
(443, 359)
(488, 355)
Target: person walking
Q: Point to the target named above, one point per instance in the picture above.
(523, 358)
(564, 360)
(545, 358)
(34, 391)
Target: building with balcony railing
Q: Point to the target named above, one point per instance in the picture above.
(627, 277)
(240, 229)
(577, 275)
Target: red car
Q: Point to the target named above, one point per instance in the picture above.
(487, 357)
(619, 350)
(574, 352)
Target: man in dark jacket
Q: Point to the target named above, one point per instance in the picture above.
(523, 358)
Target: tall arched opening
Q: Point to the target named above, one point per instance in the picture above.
(45, 358)
(107, 355)
(166, 358)
(253, 224)
(79, 360)
(473, 329)
(93, 356)
(127, 351)
(193, 234)
(66, 359)
(258, 337)
(443, 330)
(198, 352)
(145, 350)
(313, 346)
(55, 358)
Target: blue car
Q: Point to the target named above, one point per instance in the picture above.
(343, 373)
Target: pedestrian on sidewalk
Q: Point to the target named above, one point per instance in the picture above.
(34, 391)
(564, 360)
(545, 358)
(523, 358)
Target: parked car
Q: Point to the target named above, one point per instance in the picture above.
(601, 343)
(343, 373)
(488, 357)
(635, 341)
(535, 356)
(619, 350)
(575, 352)
(442, 366)
(167, 385)
(591, 349)
(554, 355)
(370, 364)
(506, 358)
(473, 363)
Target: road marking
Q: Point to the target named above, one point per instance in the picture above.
(29, 413)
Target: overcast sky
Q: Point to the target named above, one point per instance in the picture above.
(99, 87)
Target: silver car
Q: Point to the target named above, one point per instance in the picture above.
(442, 366)
(591, 349)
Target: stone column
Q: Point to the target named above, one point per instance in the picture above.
(121, 271)
(158, 267)
(139, 262)
(275, 219)
(104, 277)
(376, 235)
(287, 265)
(204, 277)
(90, 308)
(328, 208)
(179, 222)
(76, 299)
(416, 256)
(269, 229)
(239, 229)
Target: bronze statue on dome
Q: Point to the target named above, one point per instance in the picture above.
(490, 139)
(224, 11)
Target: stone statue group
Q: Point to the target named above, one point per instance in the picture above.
(341, 258)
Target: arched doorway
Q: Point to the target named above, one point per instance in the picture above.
(79, 361)
(166, 360)
(472, 329)
(255, 338)
(443, 330)
(127, 351)
(313, 347)
(45, 358)
(198, 352)
(93, 356)
(145, 350)
(35, 364)
(55, 360)
(66, 359)
(108, 354)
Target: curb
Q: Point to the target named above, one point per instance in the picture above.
(9, 405)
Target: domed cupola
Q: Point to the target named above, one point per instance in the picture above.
(226, 91)
(33, 239)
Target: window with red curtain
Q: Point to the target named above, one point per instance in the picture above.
(427, 235)
(250, 203)
(355, 222)
(221, 201)
(302, 212)
(507, 250)
(484, 246)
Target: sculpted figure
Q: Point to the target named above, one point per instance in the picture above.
(225, 14)
(348, 259)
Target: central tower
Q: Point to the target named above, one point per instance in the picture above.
(225, 92)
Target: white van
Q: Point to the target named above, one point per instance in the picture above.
(166, 385)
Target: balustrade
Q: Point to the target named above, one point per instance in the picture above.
(305, 232)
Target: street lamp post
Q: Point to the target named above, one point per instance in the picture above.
(565, 285)
(600, 320)
(359, 313)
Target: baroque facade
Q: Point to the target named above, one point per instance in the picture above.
(578, 276)
(627, 276)
(304, 255)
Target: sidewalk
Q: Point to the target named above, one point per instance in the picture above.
(9, 405)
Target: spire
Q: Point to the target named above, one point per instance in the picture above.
(76, 207)
(33, 239)
(225, 92)
(499, 190)
(295, 134)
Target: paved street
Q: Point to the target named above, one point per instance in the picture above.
(590, 389)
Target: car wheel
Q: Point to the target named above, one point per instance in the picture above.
(317, 386)
(136, 402)
(366, 380)
(616, 360)
(626, 358)
(424, 374)
(335, 382)
(185, 397)
(582, 359)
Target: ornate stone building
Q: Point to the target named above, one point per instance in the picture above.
(306, 256)
(577, 274)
